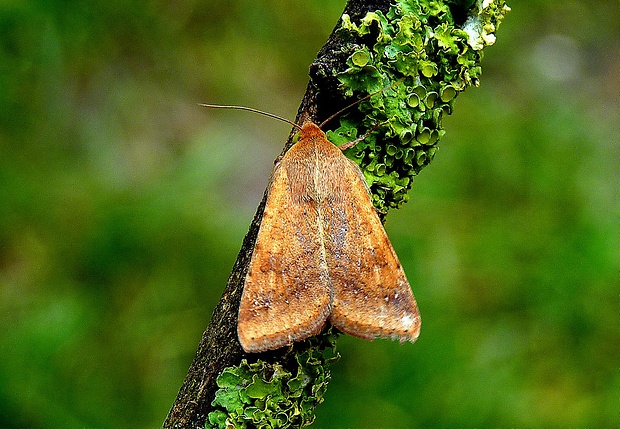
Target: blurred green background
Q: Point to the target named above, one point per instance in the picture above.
(123, 206)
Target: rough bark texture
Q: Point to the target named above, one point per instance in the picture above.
(219, 347)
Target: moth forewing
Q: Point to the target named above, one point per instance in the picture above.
(287, 293)
(372, 297)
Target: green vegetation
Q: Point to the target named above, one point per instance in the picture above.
(419, 44)
(272, 395)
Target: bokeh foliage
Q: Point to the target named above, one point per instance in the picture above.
(122, 207)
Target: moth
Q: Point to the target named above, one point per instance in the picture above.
(322, 255)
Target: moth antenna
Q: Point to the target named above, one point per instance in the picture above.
(250, 109)
(359, 101)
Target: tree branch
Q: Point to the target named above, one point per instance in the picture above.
(435, 49)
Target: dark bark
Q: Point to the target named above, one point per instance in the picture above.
(219, 347)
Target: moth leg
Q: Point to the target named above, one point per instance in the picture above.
(352, 143)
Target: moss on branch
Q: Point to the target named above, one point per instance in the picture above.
(425, 53)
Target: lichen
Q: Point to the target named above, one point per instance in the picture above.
(281, 394)
(417, 58)
(432, 58)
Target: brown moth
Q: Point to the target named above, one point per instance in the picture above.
(322, 254)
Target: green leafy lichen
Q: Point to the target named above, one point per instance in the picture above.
(279, 394)
(418, 45)
(416, 58)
